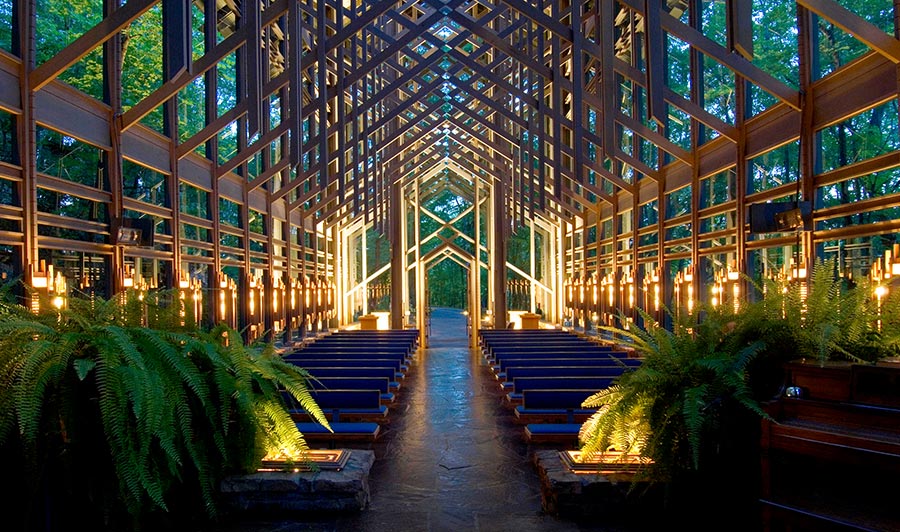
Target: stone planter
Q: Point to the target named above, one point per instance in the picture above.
(290, 492)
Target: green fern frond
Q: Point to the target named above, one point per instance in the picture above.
(695, 403)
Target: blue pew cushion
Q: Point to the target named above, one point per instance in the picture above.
(560, 429)
(521, 410)
(362, 428)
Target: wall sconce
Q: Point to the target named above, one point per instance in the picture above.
(651, 289)
(195, 288)
(628, 279)
(40, 275)
(277, 293)
(880, 274)
(307, 291)
(255, 297)
(46, 282)
(608, 296)
(227, 299)
(130, 278)
(684, 288)
(888, 266)
(580, 284)
(295, 287)
(797, 272)
(331, 289)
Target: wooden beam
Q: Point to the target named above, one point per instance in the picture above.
(740, 28)
(181, 79)
(738, 64)
(92, 38)
(861, 29)
(656, 66)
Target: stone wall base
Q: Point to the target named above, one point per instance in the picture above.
(287, 492)
(588, 495)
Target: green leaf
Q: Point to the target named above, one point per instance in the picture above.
(83, 366)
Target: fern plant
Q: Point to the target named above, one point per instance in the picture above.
(672, 406)
(101, 409)
(828, 317)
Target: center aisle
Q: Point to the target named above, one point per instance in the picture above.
(450, 462)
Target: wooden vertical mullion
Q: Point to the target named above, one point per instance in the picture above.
(556, 106)
(354, 117)
(577, 91)
(607, 78)
(23, 41)
(322, 79)
(541, 103)
(253, 76)
(341, 117)
(398, 251)
(656, 70)
(112, 52)
(697, 74)
(295, 94)
(370, 77)
(212, 152)
(741, 176)
(806, 181)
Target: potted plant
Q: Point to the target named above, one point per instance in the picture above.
(690, 410)
(116, 415)
(830, 323)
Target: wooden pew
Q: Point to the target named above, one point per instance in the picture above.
(344, 432)
(309, 364)
(524, 384)
(515, 372)
(370, 371)
(502, 365)
(343, 405)
(554, 406)
(401, 363)
(382, 384)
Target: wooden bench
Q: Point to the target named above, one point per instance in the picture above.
(498, 360)
(343, 405)
(499, 346)
(348, 353)
(359, 344)
(580, 352)
(343, 432)
(523, 384)
(506, 363)
(309, 363)
(554, 406)
(559, 371)
(560, 434)
(335, 371)
(382, 384)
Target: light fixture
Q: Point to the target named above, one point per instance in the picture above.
(40, 275)
(606, 463)
(684, 288)
(129, 277)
